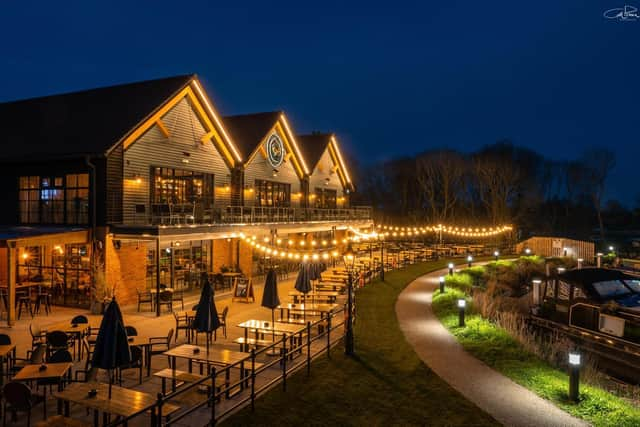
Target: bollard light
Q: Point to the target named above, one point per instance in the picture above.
(536, 291)
(442, 284)
(450, 269)
(469, 260)
(561, 270)
(462, 303)
(611, 248)
(496, 254)
(574, 375)
(580, 261)
(527, 251)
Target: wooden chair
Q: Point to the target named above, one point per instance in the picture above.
(178, 296)
(223, 320)
(145, 298)
(136, 363)
(166, 298)
(182, 323)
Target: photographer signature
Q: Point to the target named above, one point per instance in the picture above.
(626, 13)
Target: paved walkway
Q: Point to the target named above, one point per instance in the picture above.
(508, 402)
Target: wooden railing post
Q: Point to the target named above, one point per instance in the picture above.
(329, 334)
(214, 388)
(253, 379)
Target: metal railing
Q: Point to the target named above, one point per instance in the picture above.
(295, 352)
(194, 214)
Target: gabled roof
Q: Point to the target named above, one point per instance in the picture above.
(248, 130)
(313, 146)
(80, 123)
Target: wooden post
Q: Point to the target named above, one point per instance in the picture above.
(158, 277)
(11, 280)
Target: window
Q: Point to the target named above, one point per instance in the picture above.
(272, 194)
(176, 186)
(325, 198)
(54, 199)
(77, 198)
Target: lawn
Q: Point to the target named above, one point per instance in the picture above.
(499, 350)
(386, 384)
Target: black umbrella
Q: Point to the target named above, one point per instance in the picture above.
(112, 348)
(206, 319)
(270, 297)
(303, 283)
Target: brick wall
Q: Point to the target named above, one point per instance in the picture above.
(125, 269)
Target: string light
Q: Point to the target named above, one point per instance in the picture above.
(394, 231)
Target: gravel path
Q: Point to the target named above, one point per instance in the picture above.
(508, 402)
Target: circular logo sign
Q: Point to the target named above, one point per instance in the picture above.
(275, 150)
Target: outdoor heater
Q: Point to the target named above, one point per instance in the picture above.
(462, 303)
(349, 263)
(574, 375)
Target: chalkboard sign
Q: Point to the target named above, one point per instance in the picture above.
(243, 290)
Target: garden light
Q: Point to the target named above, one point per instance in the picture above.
(527, 251)
(450, 269)
(442, 284)
(496, 254)
(462, 303)
(611, 248)
(574, 375)
(469, 260)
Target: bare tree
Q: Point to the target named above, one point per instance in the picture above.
(598, 163)
(440, 175)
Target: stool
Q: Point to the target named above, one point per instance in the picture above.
(43, 298)
(24, 300)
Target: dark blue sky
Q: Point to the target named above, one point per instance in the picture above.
(390, 78)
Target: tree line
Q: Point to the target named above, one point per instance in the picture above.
(501, 183)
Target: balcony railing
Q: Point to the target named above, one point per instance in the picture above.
(189, 214)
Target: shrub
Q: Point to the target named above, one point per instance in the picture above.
(461, 281)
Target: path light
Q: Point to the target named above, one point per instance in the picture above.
(527, 251)
(462, 303)
(469, 260)
(561, 270)
(574, 375)
(496, 254)
(442, 284)
(580, 261)
(611, 248)
(536, 291)
(450, 269)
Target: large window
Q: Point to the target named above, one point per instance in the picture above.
(325, 198)
(175, 186)
(272, 194)
(54, 199)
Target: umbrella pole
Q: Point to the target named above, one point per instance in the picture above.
(110, 382)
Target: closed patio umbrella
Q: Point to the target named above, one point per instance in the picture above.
(270, 297)
(303, 283)
(206, 319)
(112, 348)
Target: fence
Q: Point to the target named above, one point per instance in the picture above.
(224, 396)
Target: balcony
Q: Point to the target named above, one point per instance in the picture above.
(190, 214)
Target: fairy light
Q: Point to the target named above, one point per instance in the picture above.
(445, 229)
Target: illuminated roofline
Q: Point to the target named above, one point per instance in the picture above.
(292, 138)
(343, 165)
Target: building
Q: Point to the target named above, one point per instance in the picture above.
(140, 185)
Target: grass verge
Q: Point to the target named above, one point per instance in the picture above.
(495, 347)
(386, 384)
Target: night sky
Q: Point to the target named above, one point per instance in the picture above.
(390, 79)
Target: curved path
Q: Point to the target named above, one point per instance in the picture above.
(508, 402)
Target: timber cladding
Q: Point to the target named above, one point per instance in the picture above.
(181, 149)
(557, 247)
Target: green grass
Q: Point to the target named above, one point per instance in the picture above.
(386, 384)
(498, 349)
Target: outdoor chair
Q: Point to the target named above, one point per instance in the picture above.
(89, 372)
(136, 363)
(166, 298)
(19, 398)
(223, 320)
(159, 345)
(38, 336)
(131, 331)
(35, 356)
(182, 323)
(145, 298)
(57, 340)
(43, 298)
(178, 296)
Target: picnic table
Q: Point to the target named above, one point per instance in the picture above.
(123, 401)
(329, 296)
(323, 309)
(46, 371)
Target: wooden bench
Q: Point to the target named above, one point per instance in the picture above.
(62, 421)
(178, 378)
